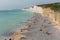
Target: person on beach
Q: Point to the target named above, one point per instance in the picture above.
(41, 30)
(48, 33)
(10, 39)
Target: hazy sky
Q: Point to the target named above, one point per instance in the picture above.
(18, 4)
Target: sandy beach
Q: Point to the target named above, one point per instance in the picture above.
(38, 28)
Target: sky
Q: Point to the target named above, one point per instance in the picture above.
(19, 4)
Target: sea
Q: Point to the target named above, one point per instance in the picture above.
(12, 19)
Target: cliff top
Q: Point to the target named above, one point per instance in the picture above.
(54, 6)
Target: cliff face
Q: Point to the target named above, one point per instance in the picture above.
(52, 10)
(53, 15)
(35, 9)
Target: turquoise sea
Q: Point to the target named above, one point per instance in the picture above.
(11, 19)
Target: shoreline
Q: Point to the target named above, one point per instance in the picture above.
(17, 29)
(24, 29)
(39, 27)
(31, 26)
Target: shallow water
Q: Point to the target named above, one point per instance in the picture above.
(12, 19)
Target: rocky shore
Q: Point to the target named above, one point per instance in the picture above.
(38, 28)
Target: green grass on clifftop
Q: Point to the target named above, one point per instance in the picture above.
(54, 6)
